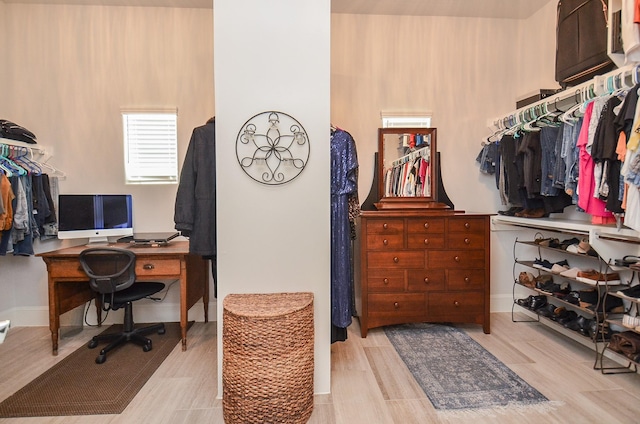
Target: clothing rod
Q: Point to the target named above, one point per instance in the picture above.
(626, 76)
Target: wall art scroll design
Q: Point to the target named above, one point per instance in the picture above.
(272, 148)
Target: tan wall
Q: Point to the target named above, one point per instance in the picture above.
(453, 67)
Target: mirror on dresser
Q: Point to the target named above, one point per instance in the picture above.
(407, 169)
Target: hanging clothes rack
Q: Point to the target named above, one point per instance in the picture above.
(561, 102)
(425, 151)
(26, 154)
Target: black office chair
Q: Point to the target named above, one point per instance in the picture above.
(112, 275)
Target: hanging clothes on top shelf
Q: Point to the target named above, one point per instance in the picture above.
(344, 210)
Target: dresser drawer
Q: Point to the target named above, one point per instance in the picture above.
(395, 260)
(425, 241)
(385, 280)
(397, 306)
(385, 241)
(466, 225)
(157, 267)
(456, 259)
(385, 226)
(422, 280)
(452, 306)
(465, 279)
(466, 241)
(425, 225)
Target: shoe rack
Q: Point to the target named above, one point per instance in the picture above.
(574, 306)
(627, 324)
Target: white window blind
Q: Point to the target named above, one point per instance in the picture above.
(406, 120)
(151, 147)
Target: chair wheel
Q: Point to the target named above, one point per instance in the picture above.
(147, 347)
(93, 344)
(162, 331)
(100, 359)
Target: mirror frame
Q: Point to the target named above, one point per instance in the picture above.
(408, 202)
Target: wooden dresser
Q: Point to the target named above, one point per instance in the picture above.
(422, 266)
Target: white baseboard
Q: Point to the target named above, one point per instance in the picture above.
(143, 312)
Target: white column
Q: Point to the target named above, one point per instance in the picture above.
(274, 56)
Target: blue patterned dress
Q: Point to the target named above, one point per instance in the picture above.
(344, 183)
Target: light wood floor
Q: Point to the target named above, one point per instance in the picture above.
(370, 384)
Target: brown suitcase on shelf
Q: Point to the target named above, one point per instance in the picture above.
(581, 41)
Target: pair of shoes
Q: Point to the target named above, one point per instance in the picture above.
(558, 269)
(547, 310)
(627, 260)
(580, 324)
(568, 242)
(631, 292)
(571, 272)
(548, 266)
(538, 302)
(511, 211)
(526, 302)
(572, 297)
(611, 304)
(532, 213)
(526, 279)
(592, 277)
(568, 316)
(547, 242)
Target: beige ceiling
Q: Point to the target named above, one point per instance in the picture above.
(475, 8)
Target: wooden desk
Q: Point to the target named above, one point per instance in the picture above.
(69, 288)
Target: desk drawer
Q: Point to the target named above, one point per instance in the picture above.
(157, 267)
(70, 268)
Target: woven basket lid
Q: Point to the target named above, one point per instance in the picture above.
(266, 305)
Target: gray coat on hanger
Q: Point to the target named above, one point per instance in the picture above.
(195, 208)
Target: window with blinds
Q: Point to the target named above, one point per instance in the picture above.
(151, 147)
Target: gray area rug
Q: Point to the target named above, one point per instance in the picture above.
(455, 372)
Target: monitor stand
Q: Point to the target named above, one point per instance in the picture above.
(98, 241)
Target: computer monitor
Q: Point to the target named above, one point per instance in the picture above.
(94, 216)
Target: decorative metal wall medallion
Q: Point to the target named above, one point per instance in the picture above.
(272, 148)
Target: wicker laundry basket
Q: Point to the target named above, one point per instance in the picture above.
(267, 358)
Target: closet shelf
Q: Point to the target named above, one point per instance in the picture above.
(35, 148)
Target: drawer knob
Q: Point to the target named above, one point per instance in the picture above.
(148, 266)
(456, 304)
(457, 258)
(385, 242)
(396, 305)
(467, 279)
(385, 225)
(426, 241)
(467, 225)
(426, 225)
(426, 280)
(467, 241)
(396, 259)
(386, 281)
